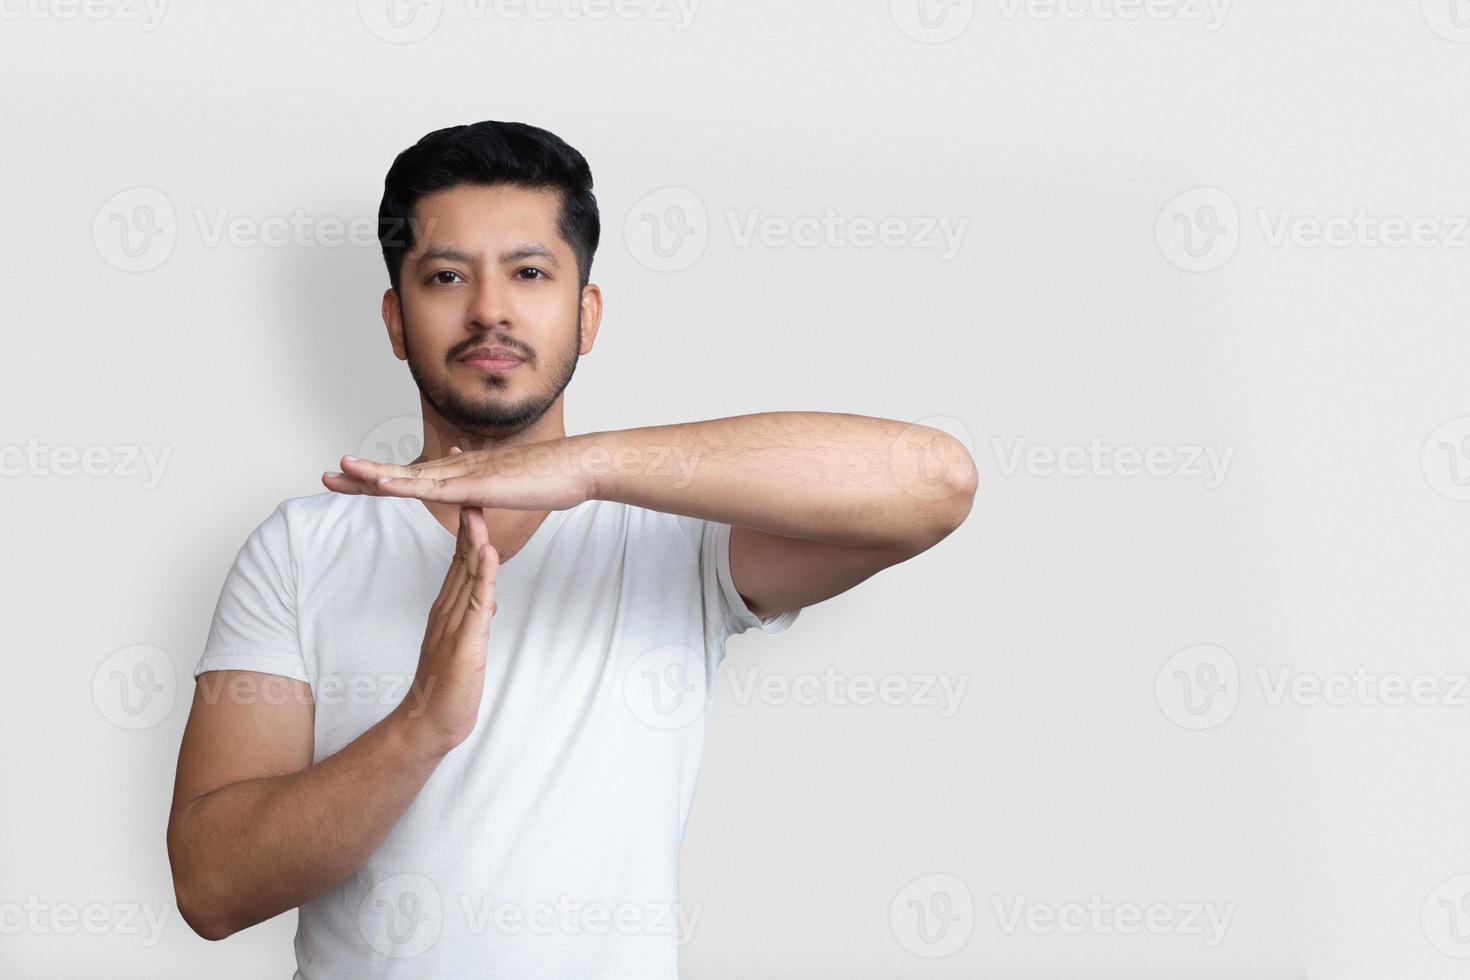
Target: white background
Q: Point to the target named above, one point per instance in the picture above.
(1073, 309)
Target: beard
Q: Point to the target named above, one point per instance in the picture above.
(489, 413)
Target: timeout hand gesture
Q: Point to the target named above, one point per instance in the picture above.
(450, 680)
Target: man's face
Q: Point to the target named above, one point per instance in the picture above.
(489, 269)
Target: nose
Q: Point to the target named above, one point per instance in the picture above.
(490, 307)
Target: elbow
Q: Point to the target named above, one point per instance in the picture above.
(935, 479)
(964, 481)
(200, 915)
(201, 910)
(204, 928)
(938, 480)
(953, 488)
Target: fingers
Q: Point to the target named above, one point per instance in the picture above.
(478, 536)
(457, 463)
(464, 587)
(474, 628)
(362, 475)
(346, 483)
(443, 606)
(444, 490)
(452, 585)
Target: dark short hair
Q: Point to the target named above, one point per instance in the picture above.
(489, 153)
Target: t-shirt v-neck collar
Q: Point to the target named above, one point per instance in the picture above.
(443, 540)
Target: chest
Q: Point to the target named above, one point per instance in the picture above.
(579, 641)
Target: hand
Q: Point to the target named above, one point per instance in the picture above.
(441, 710)
(539, 476)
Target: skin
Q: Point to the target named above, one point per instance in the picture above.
(817, 502)
(490, 267)
(255, 828)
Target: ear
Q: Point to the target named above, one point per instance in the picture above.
(393, 320)
(591, 316)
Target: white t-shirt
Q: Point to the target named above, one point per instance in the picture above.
(547, 843)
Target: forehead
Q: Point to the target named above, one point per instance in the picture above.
(475, 216)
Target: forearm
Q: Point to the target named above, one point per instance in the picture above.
(253, 849)
(836, 478)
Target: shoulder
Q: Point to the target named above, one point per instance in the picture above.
(311, 520)
(330, 507)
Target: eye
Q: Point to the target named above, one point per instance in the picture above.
(536, 273)
(438, 279)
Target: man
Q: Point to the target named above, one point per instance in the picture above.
(443, 798)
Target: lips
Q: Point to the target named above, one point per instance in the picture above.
(493, 355)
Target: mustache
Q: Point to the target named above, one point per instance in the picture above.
(521, 350)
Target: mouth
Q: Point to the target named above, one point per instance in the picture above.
(492, 359)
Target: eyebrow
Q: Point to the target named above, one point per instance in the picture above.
(448, 253)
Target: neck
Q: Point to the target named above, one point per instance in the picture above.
(509, 529)
(439, 435)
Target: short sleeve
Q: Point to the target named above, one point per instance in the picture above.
(719, 586)
(254, 626)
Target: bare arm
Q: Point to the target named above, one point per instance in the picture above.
(255, 828)
(817, 501)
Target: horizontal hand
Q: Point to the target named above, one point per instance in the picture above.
(539, 476)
